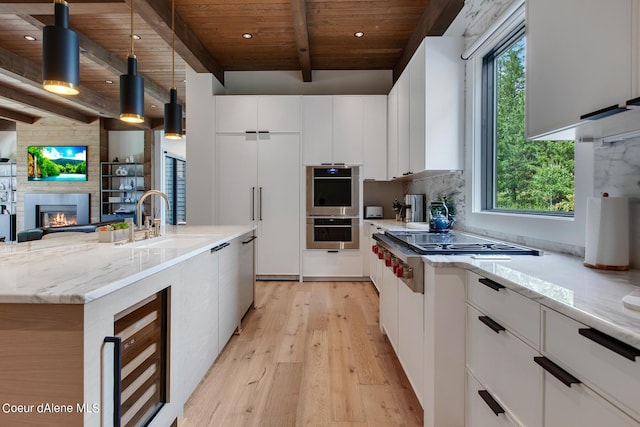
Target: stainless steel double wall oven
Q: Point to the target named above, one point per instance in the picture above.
(333, 207)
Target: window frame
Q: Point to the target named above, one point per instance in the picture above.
(488, 101)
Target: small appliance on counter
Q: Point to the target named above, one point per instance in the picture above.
(414, 208)
(373, 212)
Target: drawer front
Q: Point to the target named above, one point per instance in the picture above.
(330, 263)
(504, 363)
(478, 411)
(514, 311)
(579, 406)
(608, 372)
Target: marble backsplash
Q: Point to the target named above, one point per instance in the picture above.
(449, 186)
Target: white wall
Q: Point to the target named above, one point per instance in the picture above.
(8, 144)
(125, 144)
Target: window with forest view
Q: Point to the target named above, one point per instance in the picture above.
(519, 175)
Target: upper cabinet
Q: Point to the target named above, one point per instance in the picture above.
(341, 128)
(264, 113)
(581, 58)
(426, 108)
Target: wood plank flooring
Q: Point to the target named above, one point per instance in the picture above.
(310, 354)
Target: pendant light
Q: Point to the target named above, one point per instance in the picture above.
(132, 88)
(60, 54)
(173, 110)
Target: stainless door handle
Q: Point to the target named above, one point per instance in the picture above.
(253, 208)
(260, 202)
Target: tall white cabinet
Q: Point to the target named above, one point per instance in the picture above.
(258, 175)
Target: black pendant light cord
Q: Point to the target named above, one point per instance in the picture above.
(132, 55)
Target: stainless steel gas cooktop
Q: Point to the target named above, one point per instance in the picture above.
(455, 243)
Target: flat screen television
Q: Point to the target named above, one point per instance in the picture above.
(57, 163)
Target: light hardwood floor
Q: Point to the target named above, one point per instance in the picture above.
(310, 354)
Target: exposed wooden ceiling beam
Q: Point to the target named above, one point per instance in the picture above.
(30, 73)
(78, 7)
(157, 14)
(435, 20)
(101, 56)
(44, 105)
(16, 116)
(299, 12)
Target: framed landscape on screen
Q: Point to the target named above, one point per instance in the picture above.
(57, 163)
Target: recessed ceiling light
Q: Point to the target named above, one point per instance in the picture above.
(30, 38)
(109, 82)
(153, 106)
(358, 34)
(136, 37)
(247, 35)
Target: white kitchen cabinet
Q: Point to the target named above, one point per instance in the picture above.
(375, 264)
(332, 263)
(375, 137)
(198, 327)
(444, 346)
(348, 129)
(246, 279)
(392, 133)
(478, 409)
(571, 346)
(228, 290)
(411, 336)
(579, 59)
(263, 113)
(340, 128)
(317, 129)
(430, 110)
(258, 181)
(389, 307)
(504, 364)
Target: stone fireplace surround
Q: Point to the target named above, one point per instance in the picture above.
(33, 200)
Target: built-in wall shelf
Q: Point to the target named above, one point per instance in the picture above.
(8, 201)
(121, 185)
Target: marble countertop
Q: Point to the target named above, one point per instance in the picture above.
(74, 268)
(560, 282)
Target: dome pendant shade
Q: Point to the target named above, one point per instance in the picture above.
(60, 54)
(132, 94)
(173, 116)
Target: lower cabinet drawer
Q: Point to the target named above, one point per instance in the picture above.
(577, 405)
(505, 364)
(481, 411)
(573, 346)
(332, 263)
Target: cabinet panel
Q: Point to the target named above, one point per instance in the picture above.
(237, 179)
(246, 281)
(236, 113)
(404, 140)
(478, 413)
(411, 336)
(389, 306)
(278, 204)
(317, 116)
(578, 406)
(562, 82)
(392, 133)
(375, 137)
(228, 293)
(348, 124)
(279, 113)
(604, 370)
(417, 112)
(338, 263)
(505, 364)
(520, 314)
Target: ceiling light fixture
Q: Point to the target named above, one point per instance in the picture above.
(109, 82)
(247, 36)
(30, 38)
(60, 54)
(132, 87)
(173, 110)
(136, 37)
(358, 34)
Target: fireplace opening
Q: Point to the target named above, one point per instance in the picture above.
(50, 216)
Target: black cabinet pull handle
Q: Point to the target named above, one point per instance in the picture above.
(490, 283)
(495, 326)
(253, 208)
(555, 370)
(491, 402)
(117, 377)
(220, 247)
(250, 131)
(251, 239)
(603, 112)
(333, 252)
(613, 344)
(263, 131)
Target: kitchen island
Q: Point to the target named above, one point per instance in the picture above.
(62, 296)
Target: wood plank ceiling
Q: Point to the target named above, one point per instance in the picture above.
(286, 35)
